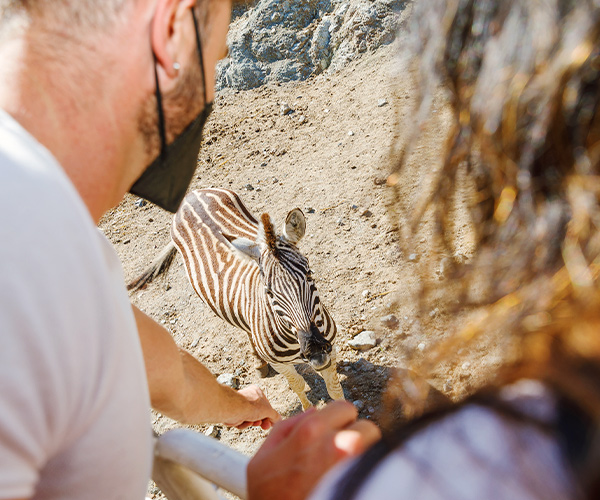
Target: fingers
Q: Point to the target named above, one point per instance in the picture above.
(357, 437)
(285, 427)
(338, 414)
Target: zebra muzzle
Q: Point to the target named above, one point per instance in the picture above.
(320, 361)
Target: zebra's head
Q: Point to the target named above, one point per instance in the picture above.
(289, 288)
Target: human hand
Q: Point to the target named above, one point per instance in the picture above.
(256, 412)
(301, 449)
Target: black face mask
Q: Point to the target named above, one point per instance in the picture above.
(167, 178)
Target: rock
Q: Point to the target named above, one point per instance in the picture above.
(381, 103)
(140, 202)
(213, 431)
(302, 119)
(413, 257)
(284, 109)
(364, 341)
(350, 133)
(380, 181)
(364, 366)
(229, 379)
(366, 293)
(310, 210)
(358, 404)
(275, 180)
(447, 386)
(284, 40)
(196, 342)
(466, 365)
(367, 214)
(390, 321)
(354, 207)
(249, 187)
(421, 346)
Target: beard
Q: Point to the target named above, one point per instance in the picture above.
(180, 107)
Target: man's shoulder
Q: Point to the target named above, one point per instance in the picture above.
(35, 192)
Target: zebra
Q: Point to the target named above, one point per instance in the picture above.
(255, 280)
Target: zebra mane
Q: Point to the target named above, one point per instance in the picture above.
(270, 236)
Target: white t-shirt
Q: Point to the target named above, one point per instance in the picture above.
(74, 403)
(475, 453)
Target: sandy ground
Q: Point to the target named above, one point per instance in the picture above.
(332, 164)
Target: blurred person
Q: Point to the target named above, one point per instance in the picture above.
(522, 79)
(98, 99)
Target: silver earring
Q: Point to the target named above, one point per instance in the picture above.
(176, 66)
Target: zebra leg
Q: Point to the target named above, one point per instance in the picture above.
(334, 388)
(261, 367)
(297, 383)
(332, 381)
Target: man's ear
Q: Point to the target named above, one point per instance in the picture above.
(167, 32)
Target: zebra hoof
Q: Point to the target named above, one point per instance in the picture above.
(263, 371)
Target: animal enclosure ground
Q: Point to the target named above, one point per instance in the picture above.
(329, 157)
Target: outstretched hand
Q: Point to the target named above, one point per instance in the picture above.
(258, 412)
(300, 450)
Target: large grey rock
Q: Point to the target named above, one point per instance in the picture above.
(285, 40)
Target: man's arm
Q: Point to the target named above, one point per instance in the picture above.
(183, 389)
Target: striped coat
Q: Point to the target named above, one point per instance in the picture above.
(256, 280)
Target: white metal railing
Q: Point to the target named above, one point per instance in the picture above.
(189, 466)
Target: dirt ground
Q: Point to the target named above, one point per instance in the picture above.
(332, 164)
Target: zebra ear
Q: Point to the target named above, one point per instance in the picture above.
(295, 226)
(248, 247)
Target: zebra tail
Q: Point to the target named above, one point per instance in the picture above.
(160, 265)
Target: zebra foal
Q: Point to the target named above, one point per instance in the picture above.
(255, 280)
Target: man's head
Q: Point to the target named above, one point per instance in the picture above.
(94, 68)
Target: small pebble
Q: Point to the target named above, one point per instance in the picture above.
(413, 257)
(350, 133)
(421, 346)
(284, 109)
(366, 293)
(447, 386)
(359, 404)
(366, 213)
(381, 102)
(433, 313)
(213, 431)
(140, 202)
(466, 365)
(229, 379)
(196, 342)
(390, 321)
(249, 187)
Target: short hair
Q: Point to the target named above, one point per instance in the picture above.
(87, 14)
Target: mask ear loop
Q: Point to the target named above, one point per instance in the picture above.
(199, 45)
(161, 115)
